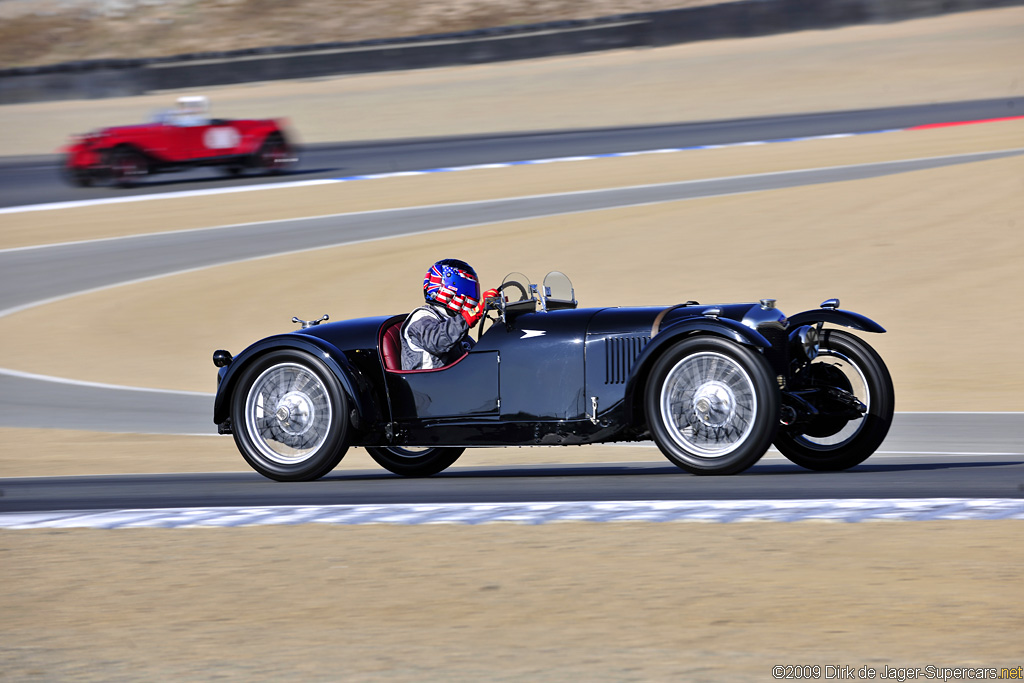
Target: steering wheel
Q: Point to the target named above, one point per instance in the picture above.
(518, 285)
(501, 288)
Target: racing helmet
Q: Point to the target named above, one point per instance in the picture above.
(452, 283)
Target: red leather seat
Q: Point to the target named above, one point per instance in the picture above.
(391, 346)
(391, 349)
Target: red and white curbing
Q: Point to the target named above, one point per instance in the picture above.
(717, 511)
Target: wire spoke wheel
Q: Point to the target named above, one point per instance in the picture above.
(288, 413)
(711, 405)
(290, 417)
(708, 403)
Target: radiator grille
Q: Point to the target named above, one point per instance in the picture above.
(619, 355)
(778, 354)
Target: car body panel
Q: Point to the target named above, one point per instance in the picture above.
(543, 349)
(466, 389)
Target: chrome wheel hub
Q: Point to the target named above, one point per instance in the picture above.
(708, 404)
(714, 404)
(295, 413)
(288, 413)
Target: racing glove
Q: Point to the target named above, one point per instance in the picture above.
(472, 314)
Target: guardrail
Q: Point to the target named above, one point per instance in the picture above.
(96, 79)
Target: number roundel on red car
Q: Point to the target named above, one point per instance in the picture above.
(221, 137)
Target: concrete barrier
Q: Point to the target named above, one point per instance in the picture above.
(118, 78)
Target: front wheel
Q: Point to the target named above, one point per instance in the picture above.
(415, 462)
(126, 166)
(290, 417)
(830, 443)
(712, 405)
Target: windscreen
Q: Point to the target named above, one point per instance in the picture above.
(557, 286)
(516, 287)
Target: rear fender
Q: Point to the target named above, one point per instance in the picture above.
(366, 412)
(256, 134)
(668, 337)
(835, 316)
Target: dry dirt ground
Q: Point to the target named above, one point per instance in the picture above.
(53, 31)
(567, 601)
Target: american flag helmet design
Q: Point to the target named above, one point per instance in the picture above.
(453, 283)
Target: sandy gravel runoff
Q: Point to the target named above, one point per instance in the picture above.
(565, 602)
(561, 602)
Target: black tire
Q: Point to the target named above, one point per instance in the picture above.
(415, 462)
(712, 405)
(290, 417)
(275, 155)
(126, 165)
(835, 444)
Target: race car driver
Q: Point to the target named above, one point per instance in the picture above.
(437, 333)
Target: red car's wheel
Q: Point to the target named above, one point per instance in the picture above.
(275, 155)
(126, 165)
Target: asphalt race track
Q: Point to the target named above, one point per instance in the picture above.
(926, 455)
(914, 476)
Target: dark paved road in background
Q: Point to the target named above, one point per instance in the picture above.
(36, 180)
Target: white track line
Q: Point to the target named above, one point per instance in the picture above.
(97, 385)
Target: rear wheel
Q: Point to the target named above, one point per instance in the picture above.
(290, 417)
(275, 155)
(829, 443)
(712, 405)
(415, 462)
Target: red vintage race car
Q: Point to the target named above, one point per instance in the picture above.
(178, 139)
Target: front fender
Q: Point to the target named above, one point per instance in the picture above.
(356, 387)
(837, 317)
(721, 327)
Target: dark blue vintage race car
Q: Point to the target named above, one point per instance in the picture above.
(713, 385)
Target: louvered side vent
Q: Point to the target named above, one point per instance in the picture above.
(619, 354)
